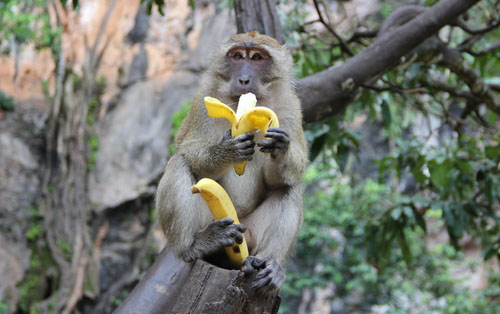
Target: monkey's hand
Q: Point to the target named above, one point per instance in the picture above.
(277, 144)
(240, 148)
(270, 275)
(217, 234)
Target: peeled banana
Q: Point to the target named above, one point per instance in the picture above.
(221, 206)
(247, 118)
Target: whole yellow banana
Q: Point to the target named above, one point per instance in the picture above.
(221, 206)
(246, 119)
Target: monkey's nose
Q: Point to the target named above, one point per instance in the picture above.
(244, 82)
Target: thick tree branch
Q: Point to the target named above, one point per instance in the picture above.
(266, 22)
(328, 92)
(453, 60)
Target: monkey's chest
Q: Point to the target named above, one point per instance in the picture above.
(246, 191)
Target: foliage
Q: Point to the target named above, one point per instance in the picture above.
(6, 102)
(3, 308)
(176, 120)
(32, 287)
(26, 22)
(348, 228)
(160, 5)
(437, 169)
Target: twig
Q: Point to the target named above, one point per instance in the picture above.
(102, 27)
(77, 292)
(363, 34)
(343, 44)
(495, 87)
(452, 90)
(467, 43)
(485, 51)
(477, 31)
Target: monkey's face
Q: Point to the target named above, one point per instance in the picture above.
(247, 70)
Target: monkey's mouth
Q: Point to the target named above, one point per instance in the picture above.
(236, 96)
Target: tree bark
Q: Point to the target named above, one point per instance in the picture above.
(173, 286)
(258, 15)
(328, 92)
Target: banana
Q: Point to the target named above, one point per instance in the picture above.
(246, 119)
(221, 206)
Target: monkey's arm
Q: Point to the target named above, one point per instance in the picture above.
(185, 218)
(286, 168)
(207, 160)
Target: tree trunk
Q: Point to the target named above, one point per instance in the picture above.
(173, 286)
(258, 15)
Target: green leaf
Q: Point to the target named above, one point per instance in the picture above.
(386, 114)
(489, 253)
(396, 213)
(440, 172)
(492, 152)
(404, 247)
(342, 156)
(420, 221)
(466, 168)
(317, 146)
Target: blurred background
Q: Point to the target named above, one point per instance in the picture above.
(401, 195)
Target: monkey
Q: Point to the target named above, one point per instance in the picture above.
(268, 196)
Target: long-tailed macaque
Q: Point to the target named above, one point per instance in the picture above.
(268, 196)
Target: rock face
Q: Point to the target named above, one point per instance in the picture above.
(152, 66)
(19, 190)
(134, 136)
(18, 172)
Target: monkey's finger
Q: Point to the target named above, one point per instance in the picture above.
(269, 150)
(241, 228)
(258, 263)
(246, 144)
(226, 221)
(278, 136)
(267, 143)
(247, 152)
(238, 237)
(226, 242)
(245, 137)
(247, 267)
(277, 130)
(264, 273)
(259, 283)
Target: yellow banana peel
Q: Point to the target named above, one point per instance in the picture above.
(221, 206)
(247, 118)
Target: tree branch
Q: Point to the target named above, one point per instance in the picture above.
(266, 22)
(477, 31)
(328, 92)
(343, 44)
(485, 51)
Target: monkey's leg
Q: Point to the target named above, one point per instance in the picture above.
(186, 219)
(274, 226)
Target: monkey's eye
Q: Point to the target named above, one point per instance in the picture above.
(257, 56)
(238, 55)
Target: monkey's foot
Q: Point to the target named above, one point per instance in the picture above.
(270, 275)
